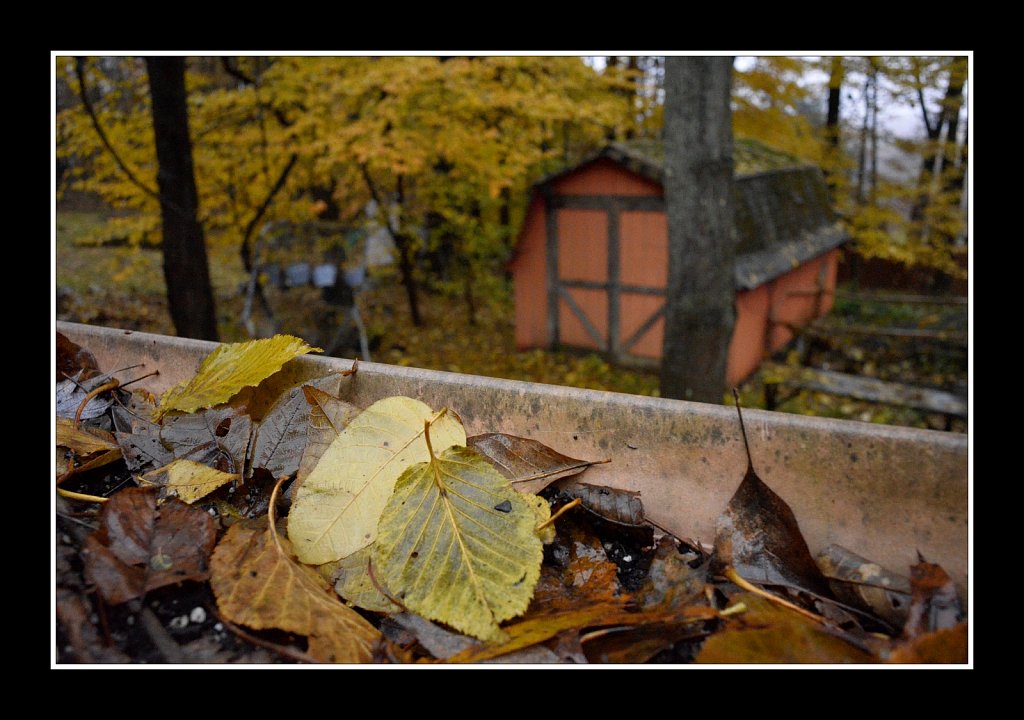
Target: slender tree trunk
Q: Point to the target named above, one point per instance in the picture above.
(701, 296)
(832, 128)
(186, 269)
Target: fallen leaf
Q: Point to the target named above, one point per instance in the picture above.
(258, 584)
(328, 416)
(140, 440)
(72, 392)
(436, 640)
(759, 536)
(671, 581)
(74, 361)
(280, 438)
(859, 582)
(187, 480)
(934, 603)
(83, 440)
(229, 368)
(458, 545)
(140, 547)
(529, 465)
(336, 510)
(768, 634)
(579, 573)
(633, 644)
(218, 438)
(352, 581)
(613, 504)
(947, 646)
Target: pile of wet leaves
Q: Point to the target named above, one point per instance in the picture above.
(243, 519)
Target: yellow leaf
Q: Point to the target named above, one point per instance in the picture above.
(187, 480)
(456, 543)
(336, 510)
(258, 584)
(230, 368)
(83, 440)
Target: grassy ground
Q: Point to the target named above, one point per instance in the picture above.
(124, 287)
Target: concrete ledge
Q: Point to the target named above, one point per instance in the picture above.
(883, 492)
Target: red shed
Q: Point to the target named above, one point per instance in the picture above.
(591, 262)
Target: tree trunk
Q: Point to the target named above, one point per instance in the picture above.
(833, 129)
(701, 297)
(186, 269)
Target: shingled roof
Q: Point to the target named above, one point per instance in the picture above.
(783, 214)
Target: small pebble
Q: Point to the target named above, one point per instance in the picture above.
(177, 623)
(219, 627)
(198, 615)
(130, 620)
(627, 558)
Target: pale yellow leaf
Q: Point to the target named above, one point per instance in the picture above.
(230, 368)
(187, 480)
(336, 510)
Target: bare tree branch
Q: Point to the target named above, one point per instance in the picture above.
(262, 209)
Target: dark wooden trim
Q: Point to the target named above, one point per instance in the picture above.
(589, 326)
(642, 330)
(597, 285)
(648, 203)
(614, 280)
(551, 232)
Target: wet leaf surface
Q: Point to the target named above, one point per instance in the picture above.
(946, 646)
(73, 391)
(280, 438)
(611, 504)
(218, 438)
(140, 547)
(259, 584)
(529, 465)
(448, 554)
(768, 634)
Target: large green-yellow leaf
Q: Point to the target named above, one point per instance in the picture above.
(230, 368)
(336, 510)
(457, 544)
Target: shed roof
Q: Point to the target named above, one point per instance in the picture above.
(783, 214)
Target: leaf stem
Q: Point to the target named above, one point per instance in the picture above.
(737, 579)
(81, 496)
(109, 385)
(562, 510)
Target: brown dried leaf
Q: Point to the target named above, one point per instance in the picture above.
(140, 442)
(328, 416)
(83, 440)
(934, 603)
(613, 504)
(280, 438)
(140, 547)
(759, 536)
(859, 582)
(768, 634)
(529, 465)
(258, 583)
(671, 582)
(947, 646)
(73, 359)
(218, 438)
(579, 574)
